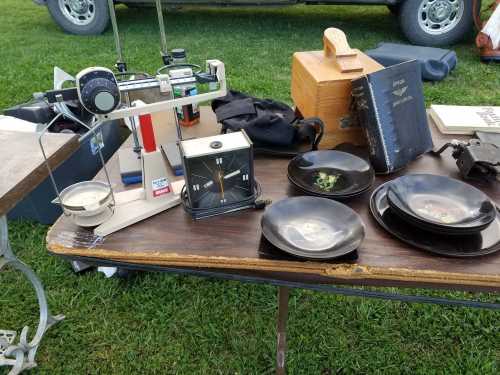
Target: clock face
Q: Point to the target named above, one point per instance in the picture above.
(219, 180)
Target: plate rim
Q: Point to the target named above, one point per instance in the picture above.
(436, 228)
(374, 213)
(372, 180)
(319, 195)
(305, 255)
(431, 223)
(370, 184)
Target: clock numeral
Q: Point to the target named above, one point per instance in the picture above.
(196, 187)
(222, 201)
(245, 177)
(218, 161)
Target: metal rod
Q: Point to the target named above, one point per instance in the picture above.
(53, 180)
(106, 174)
(112, 15)
(101, 157)
(162, 106)
(4, 237)
(283, 296)
(353, 292)
(135, 137)
(161, 24)
(96, 124)
(177, 126)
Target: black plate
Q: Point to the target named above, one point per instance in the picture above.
(337, 197)
(440, 204)
(313, 227)
(485, 242)
(354, 174)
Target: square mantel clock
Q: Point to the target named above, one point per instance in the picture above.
(219, 174)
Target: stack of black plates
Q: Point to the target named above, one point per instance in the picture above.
(313, 227)
(440, 204)
(438, 214)
(331, 174)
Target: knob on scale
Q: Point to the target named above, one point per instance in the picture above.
(98, 90)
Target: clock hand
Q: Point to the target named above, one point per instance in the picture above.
(221, 185)
(232, 174)
(208, 184)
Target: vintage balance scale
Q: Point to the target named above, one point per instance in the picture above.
(93, 203)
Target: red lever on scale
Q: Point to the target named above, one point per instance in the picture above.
(147, 132)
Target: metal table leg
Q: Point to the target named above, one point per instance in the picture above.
(283, 294)
(21, 356)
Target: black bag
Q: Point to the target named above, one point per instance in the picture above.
(272, 126)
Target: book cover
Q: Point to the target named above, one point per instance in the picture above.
(391, 110)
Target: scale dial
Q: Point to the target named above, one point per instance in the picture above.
(98, 90)
(220, 180)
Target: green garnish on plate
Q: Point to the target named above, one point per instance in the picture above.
(325, 181)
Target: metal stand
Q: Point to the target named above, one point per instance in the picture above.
(283, 294)
(92, 130)
(21, 356)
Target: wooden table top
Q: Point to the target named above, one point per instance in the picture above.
(233, 242)
(22, 167)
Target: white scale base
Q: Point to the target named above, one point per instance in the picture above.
(132, 207)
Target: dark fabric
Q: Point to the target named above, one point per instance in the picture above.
(435, 63)
(239, 107)
(269, 124)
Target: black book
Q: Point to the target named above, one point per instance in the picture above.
(391, 109)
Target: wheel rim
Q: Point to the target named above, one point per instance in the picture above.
(439, 16)
(79, 12)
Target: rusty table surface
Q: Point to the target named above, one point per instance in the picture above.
(233, 243)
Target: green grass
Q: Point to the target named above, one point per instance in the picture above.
(156, 323)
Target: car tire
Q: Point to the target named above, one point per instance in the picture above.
(92, 19)
(436, 22)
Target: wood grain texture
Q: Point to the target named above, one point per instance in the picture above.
(320, 89)
(233, 242)
(22, 166)
(336, 47)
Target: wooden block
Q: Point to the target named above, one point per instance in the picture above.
(321, 87)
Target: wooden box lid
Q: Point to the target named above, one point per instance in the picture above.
(338, 61)
(324, 69)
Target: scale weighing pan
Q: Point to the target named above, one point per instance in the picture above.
(87, 203)
(331, 174)
(313, 227)
(440, 204)
(484, 242)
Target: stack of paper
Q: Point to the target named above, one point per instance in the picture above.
(452, 119)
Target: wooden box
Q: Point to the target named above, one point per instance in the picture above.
(321, 86)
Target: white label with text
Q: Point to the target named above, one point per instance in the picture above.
(160, 186)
